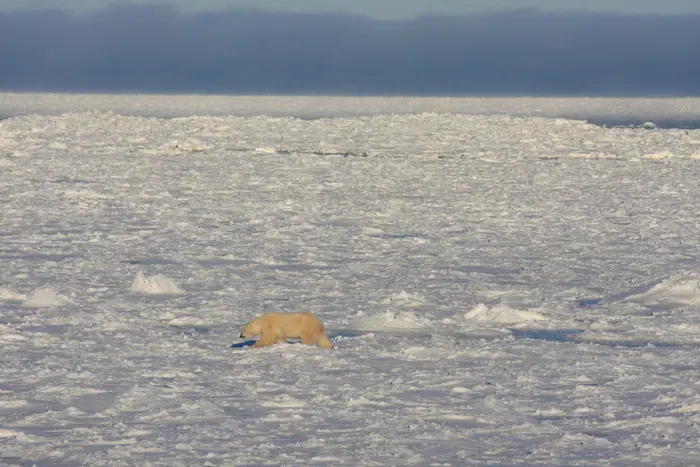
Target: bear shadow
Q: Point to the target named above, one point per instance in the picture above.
(242, 345)
(250, 343)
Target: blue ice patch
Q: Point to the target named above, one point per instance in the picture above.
(242, 345)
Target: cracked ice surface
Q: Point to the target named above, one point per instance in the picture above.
(501, 289)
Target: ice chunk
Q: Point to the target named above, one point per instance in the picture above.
(46, 297)
(398, 321)
(501, 315)
(7, 295)
(679, 289)
(155, 285)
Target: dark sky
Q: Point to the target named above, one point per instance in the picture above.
(387, 9)
(158, 49)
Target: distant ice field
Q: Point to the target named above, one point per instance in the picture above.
(682, 113)
(506, 282)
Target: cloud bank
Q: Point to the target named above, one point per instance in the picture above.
(157, 49)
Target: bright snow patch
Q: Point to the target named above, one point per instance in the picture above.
(390, 321)
(46, 297)
(9, 433)
(155, 285)
(13, 404)
(7, 336)
(405, 300)
(174, 147)
(658, 155)
(422, 353)
(678, 290)
(188, 321)
(7, 295)
(501, 315)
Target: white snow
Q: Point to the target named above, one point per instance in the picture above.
(7, 295)
(265, 150)
(46, 297)
(502, 315)
(680, 289)
(505, 283)
(174, 147)
(155, 285)
(389, 320)
(6, 335)
(12, 404)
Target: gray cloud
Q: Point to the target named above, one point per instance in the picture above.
(157, 49)
(388, 9)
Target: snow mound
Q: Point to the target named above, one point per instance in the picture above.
(501, 315)
(372, 231)
(658, 155)
(7, 142)
(46, 297)
(390, 321)
(9, 433)
(188, 321)
(422, 353)
(192, 145)
(155, 285)
(7, 295)
(405, 299)
(178, 146)
(85, 194)
(13, 404)
(576, 294)
(677, 290)
(7, 336)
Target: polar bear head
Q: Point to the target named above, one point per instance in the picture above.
(252, 329)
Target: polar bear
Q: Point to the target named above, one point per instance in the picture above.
(276, 327)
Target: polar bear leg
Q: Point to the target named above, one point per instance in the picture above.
(265, 340)
(307, 339)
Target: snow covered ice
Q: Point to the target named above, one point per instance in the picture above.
(504, 285)
(155, 285)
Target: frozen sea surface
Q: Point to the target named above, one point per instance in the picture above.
(502, 289)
